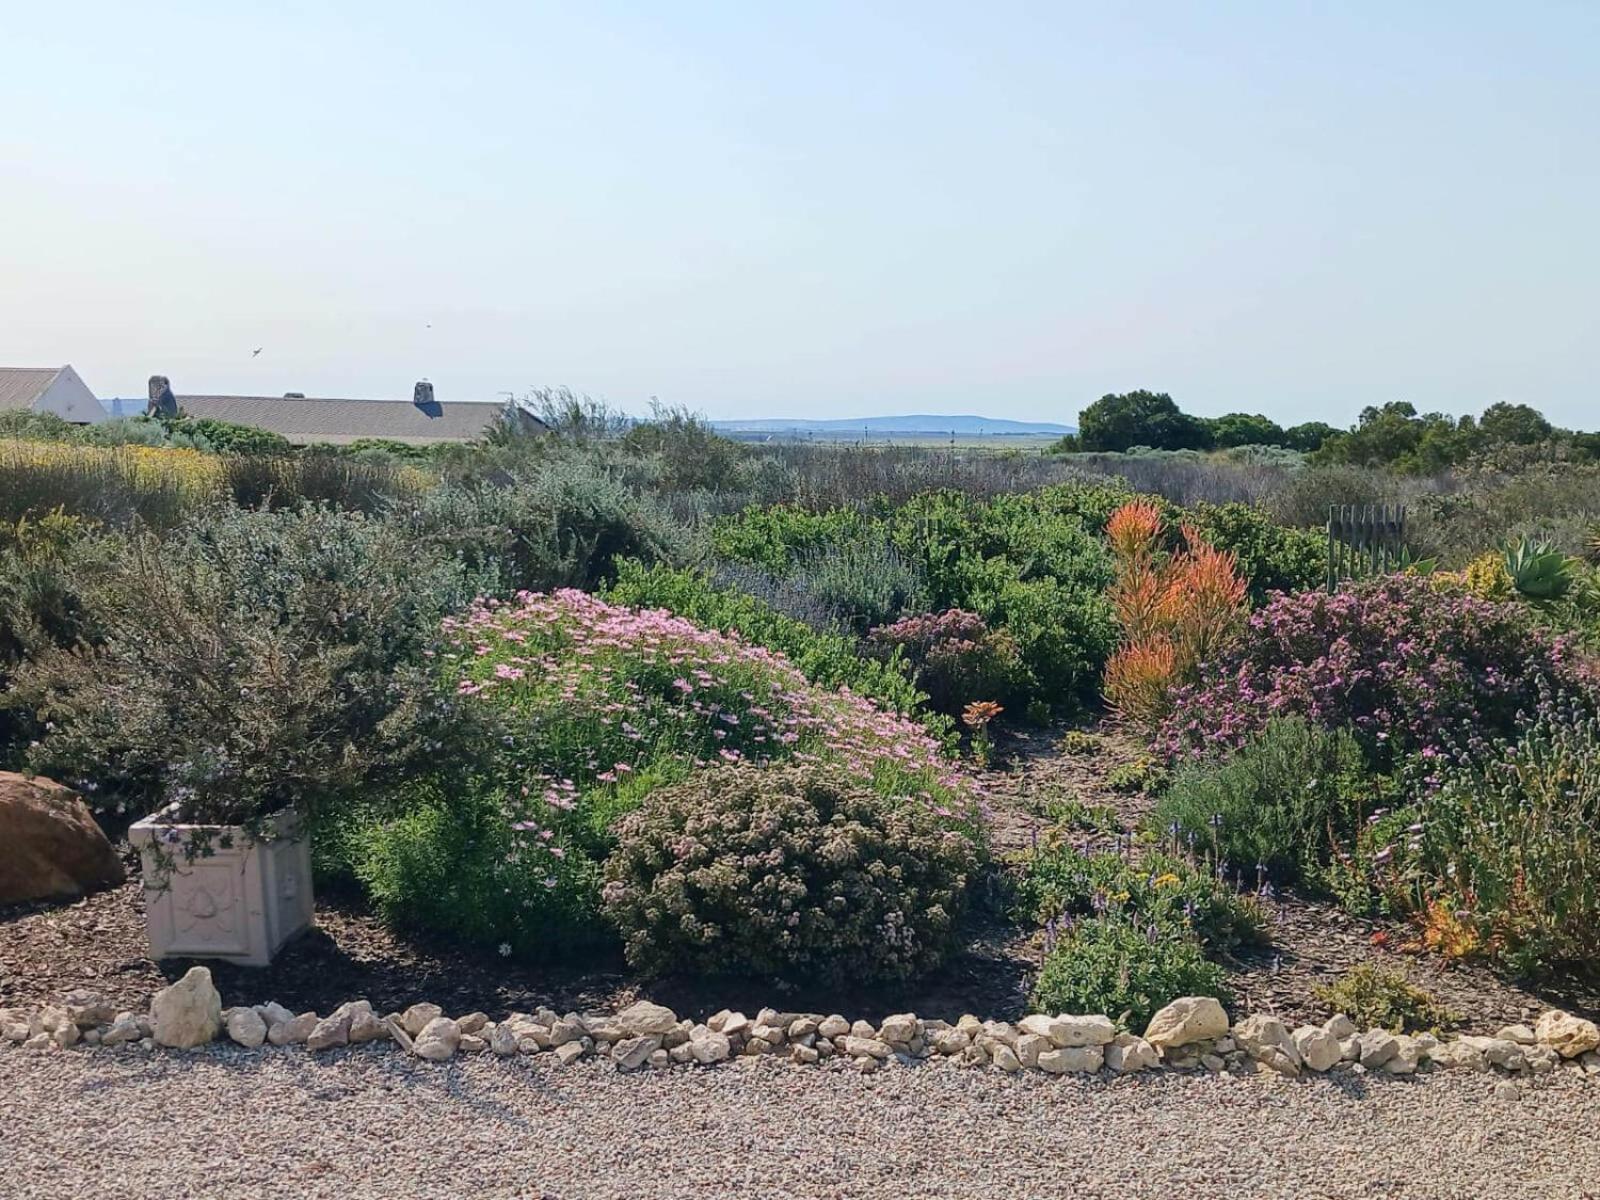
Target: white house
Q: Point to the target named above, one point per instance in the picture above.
(55, 390)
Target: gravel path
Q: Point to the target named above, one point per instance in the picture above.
(372, 1123)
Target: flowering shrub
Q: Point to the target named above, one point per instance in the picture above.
(957, 658)
(1176, 610)
(1399, 661)
(598, 705)
(593, 694)
(795, 873)
(1511, 843)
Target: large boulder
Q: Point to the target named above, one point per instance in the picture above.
(53, 846)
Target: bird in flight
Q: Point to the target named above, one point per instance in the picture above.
(255, 352)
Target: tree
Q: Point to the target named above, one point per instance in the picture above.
(1308, 436)
(1517, 424)
(1119, 422)
(1246, 429)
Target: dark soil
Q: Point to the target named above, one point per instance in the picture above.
(1036, 792)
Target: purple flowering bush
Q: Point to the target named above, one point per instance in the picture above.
(1403, 663)
(597, 706)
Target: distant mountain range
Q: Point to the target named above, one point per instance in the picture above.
(928, 425)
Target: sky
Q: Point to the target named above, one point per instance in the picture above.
(812, 210)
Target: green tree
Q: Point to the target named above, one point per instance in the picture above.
(1246, 429)
(1118, 422)
(1517, 424)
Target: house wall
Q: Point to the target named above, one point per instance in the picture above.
(71, 400)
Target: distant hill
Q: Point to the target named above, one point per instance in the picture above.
(927, 425)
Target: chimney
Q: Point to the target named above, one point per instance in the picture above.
(422, 394)
(162, 403)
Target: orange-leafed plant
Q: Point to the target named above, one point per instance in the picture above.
(1176, 609)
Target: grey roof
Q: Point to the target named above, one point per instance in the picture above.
(21, 387)
(342, 421)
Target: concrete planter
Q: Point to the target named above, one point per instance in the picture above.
(240, 902)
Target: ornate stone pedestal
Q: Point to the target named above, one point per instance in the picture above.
(240, 902)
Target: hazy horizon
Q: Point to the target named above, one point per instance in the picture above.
(813, 213)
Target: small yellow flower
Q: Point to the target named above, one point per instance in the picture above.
(1167, 880)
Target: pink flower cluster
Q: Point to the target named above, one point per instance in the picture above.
(599, 695)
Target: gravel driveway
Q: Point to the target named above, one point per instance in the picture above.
(373, 1123)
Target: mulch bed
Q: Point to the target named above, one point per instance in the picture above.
(99, 943)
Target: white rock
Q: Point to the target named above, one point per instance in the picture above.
(1065, 1059)
(1378, 1046)
(245, 1026)
(331, 1031)
(710, 1047)
(123, 1030)
(1340, 1027)
(188, 1013)
(294, 1031)
(644, 1019)
(567, 1029)
(437, 1040)
(503, 1041)
(471, 1043)
(1459, 1053)
(87, 1009)
(1319, 1049)
(899, 1028)
(1498, 1051)
(1029, 1047)
(273, 1013)
(951, 1041)
(1520, 1034)
(365, 1027)
(833, 1026)
(632, 1053)
(1004, 1057)
(1266, 1040)
(730, 1023)
(1071, 1031)
(416, 1018)
(1186, 1021)
(860, 1047)
(1128, 1053)
(570, 1052)
(1407, 1055)
(1568, 1035)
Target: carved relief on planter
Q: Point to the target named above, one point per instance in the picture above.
(240, 901)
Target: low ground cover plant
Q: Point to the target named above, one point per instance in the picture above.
(1377, 997)
(796, 873)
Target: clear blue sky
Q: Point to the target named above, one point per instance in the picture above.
(820, 209)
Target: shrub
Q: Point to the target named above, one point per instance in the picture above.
(1176, 610)
(1125, 968)
(1398, 660)
(863, 580)
(111, 485)
(1059, 884)
(827, 658)
(560, 526)
(1289, 799)
(1270, 556)
(956, 657)
(458, 863)
(1375, 997)
(250, 662)
(792, 873)
(1511, 842)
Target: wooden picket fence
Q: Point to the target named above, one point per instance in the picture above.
(1363, 540)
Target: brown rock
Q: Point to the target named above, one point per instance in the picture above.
(53, 846)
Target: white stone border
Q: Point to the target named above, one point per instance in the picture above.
(1192, 1033)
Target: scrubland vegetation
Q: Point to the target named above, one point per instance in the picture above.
(729, 709)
